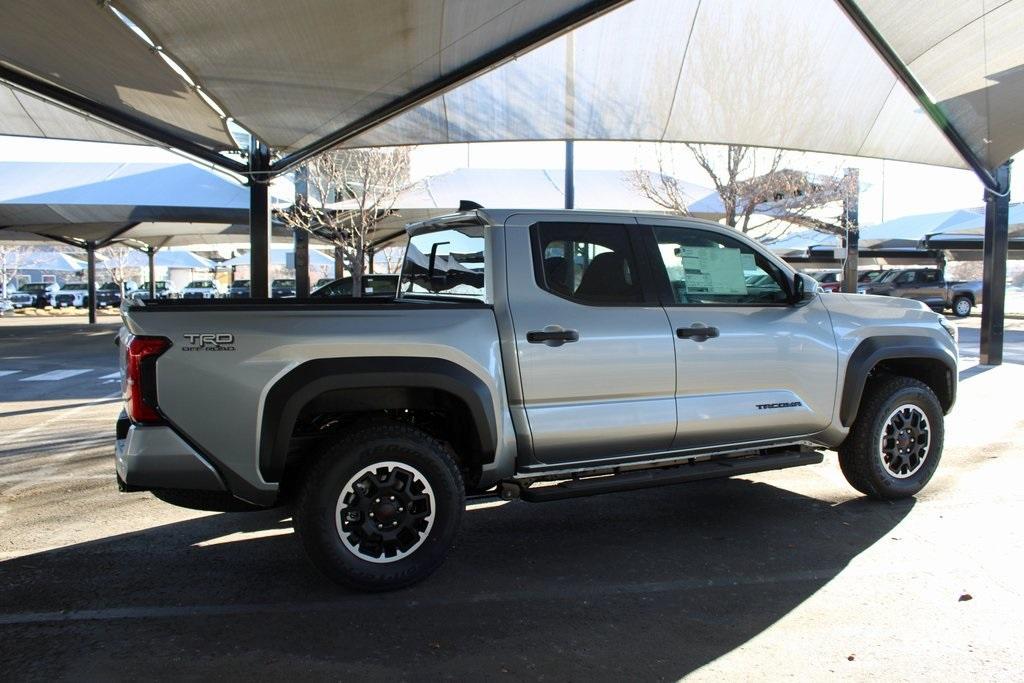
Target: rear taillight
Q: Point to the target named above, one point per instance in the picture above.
(139, 386)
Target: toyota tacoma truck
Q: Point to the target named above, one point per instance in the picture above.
(531, 355)
(930, 286)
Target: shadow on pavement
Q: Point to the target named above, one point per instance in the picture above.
(648, 584)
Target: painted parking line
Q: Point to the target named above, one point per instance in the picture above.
(4, 373)
(113, 375)
(55, 375)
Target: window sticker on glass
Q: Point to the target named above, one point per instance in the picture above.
(749, 264)
(713, 270)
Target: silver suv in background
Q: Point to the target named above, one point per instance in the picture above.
(539, 355)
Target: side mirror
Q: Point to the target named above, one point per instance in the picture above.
(802, 290)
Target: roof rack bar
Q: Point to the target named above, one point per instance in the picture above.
(904, 75)
(119, 119)
(439, 86)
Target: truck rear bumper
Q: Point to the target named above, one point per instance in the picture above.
(154, 457)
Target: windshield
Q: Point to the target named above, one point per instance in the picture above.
(200, 284)
(74, 286)
(890, 276)
(35, 287)
(448, 262)
(241, 283)
(284, 283)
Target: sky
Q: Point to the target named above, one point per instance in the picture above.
(889, 189)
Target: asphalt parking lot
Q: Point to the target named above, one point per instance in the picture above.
(782, 574)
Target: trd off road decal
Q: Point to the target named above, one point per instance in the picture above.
(209, 342)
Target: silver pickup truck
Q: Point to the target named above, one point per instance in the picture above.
(537, 355)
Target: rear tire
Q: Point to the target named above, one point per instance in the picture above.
(962, 306)
(895, 444)
(381, 507)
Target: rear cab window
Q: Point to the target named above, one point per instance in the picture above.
(448, 263)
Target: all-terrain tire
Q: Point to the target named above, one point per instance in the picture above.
(320, 505)
(861, 456)
(962, 306)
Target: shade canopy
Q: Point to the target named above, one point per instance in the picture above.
(155, 234)
(56, 261)
(37, 193)
(292, 74)
(804, 75)
(279, 257)
(163, 259)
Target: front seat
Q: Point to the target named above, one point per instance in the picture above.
(607, 278)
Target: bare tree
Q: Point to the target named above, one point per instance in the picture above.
(778, 195)
(350, 192)
(117, 261)
(13, 258)
(392, 257)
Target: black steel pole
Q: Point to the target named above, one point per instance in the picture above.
(570, 177)
(993, 279)
(851, 221)
(300, 240)
(151, 254)
(90, 259)
(259, 219)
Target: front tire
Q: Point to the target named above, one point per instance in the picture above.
(895, 444)
(381, 507)
(962, 306)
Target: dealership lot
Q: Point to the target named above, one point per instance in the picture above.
(787, 573)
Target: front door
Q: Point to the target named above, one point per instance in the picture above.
(594, 348)
(751, 367)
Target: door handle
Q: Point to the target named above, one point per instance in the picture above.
(552, 336)
(697, 332)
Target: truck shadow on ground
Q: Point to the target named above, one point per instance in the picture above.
(649, 584)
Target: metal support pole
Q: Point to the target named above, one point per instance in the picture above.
(570, 177)
(90, 259)
(851, 221)
(151, 254)
(259, 219)
(370, 255)
(993, 279)
(300, 240)
(339, 262)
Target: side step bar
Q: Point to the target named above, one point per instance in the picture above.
(643, 479)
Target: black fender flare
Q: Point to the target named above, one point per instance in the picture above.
(874, 350)
(303, 383)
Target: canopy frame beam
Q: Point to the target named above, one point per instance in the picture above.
(915, 88)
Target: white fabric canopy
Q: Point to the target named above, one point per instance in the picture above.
(795, 75)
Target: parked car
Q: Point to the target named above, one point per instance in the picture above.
(830, 280)
(19, 299)
(280, 288)
(323, 281)
(867, 276)
(73, 295)
(541, 355)
(164, 290)
(238, 289)
(372, 285)
(929, 286)
(42, 293)
(109, 294)
(202, 289)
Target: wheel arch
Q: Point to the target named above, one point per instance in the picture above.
(920, 357)
(372, 384)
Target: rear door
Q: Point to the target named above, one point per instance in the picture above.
(751, 367)
(594, 348)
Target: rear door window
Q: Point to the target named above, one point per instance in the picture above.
(592, 264)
